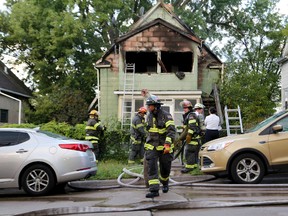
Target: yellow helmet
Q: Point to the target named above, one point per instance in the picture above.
(93, 112)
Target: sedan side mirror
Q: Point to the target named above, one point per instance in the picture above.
(277, 128)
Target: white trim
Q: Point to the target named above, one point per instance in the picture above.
(159, 93)
(20, 105)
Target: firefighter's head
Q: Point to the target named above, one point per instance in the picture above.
(93, 114)
(199, 107)
(153, 103)
(142, 111)
(186, 105)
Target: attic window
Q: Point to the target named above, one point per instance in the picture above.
(144, 61)
(177, 61)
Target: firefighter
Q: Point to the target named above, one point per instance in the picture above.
(191, 121)
(138, 136)
(159, 146)
(199, 109)
(94, 130)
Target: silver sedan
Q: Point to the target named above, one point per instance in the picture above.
(39, 161)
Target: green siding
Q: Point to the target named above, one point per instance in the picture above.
(108, 100)
(163, 82)
(210, 76)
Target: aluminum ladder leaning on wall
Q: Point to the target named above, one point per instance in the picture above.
(233, 120)
(128, 93)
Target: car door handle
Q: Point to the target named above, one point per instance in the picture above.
(21, 151)
(262, 142)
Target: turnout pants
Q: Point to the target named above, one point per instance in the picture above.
(165, 160)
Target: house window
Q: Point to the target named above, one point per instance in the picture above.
(138, 104)
(177, 61)
(3, 115)
(144, 61)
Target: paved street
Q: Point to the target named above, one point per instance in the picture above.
(188, 195)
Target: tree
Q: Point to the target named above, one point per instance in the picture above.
(61, 40)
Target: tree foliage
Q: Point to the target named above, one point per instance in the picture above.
(60, 40)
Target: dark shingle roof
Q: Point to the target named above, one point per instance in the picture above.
(10, 83)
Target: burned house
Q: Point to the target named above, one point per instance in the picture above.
(162, 54)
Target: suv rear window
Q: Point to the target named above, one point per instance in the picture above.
(8, 138)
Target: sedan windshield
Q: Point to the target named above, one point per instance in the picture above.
(265, 122)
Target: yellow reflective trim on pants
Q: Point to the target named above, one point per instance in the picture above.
(191, 166)
(153, 181)
(193, 143)
(164, 179)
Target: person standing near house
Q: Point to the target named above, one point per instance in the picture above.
(94, 130)
(212, 123)
(138, 135)
(199, 111)
(159, 146)
(191, 124)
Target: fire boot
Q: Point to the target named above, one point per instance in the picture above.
(152, 194)
(165, 188)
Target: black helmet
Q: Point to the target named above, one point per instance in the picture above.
(153, 100)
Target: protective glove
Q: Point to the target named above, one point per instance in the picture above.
(166, 148)
(188, 138)
(104, 128)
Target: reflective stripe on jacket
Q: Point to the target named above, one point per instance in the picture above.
(161, 129)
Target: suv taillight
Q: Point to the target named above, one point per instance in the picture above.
(75, 146)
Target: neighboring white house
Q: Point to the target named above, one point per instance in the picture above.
(13, 95)
(283, 61)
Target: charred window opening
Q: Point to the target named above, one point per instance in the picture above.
(177, 61)
(144, 61)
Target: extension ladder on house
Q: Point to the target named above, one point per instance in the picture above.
(233, 120)
(127, 105)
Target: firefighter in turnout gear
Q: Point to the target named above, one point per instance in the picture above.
(138, 136)
(94, 130)
(159, 146)
(193, 136)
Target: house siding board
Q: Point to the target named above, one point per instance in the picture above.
(13, 109)
(109, 101)
(209, 76)
(163, 14)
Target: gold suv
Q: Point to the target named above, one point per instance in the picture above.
(248, 157)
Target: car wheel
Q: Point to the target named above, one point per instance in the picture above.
(247, 169)
(38, 180)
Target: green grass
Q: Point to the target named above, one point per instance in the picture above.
(111, 169)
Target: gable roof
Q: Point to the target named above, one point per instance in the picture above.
(166, 18)
(10, 83)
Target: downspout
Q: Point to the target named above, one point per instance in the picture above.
(20, 105)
